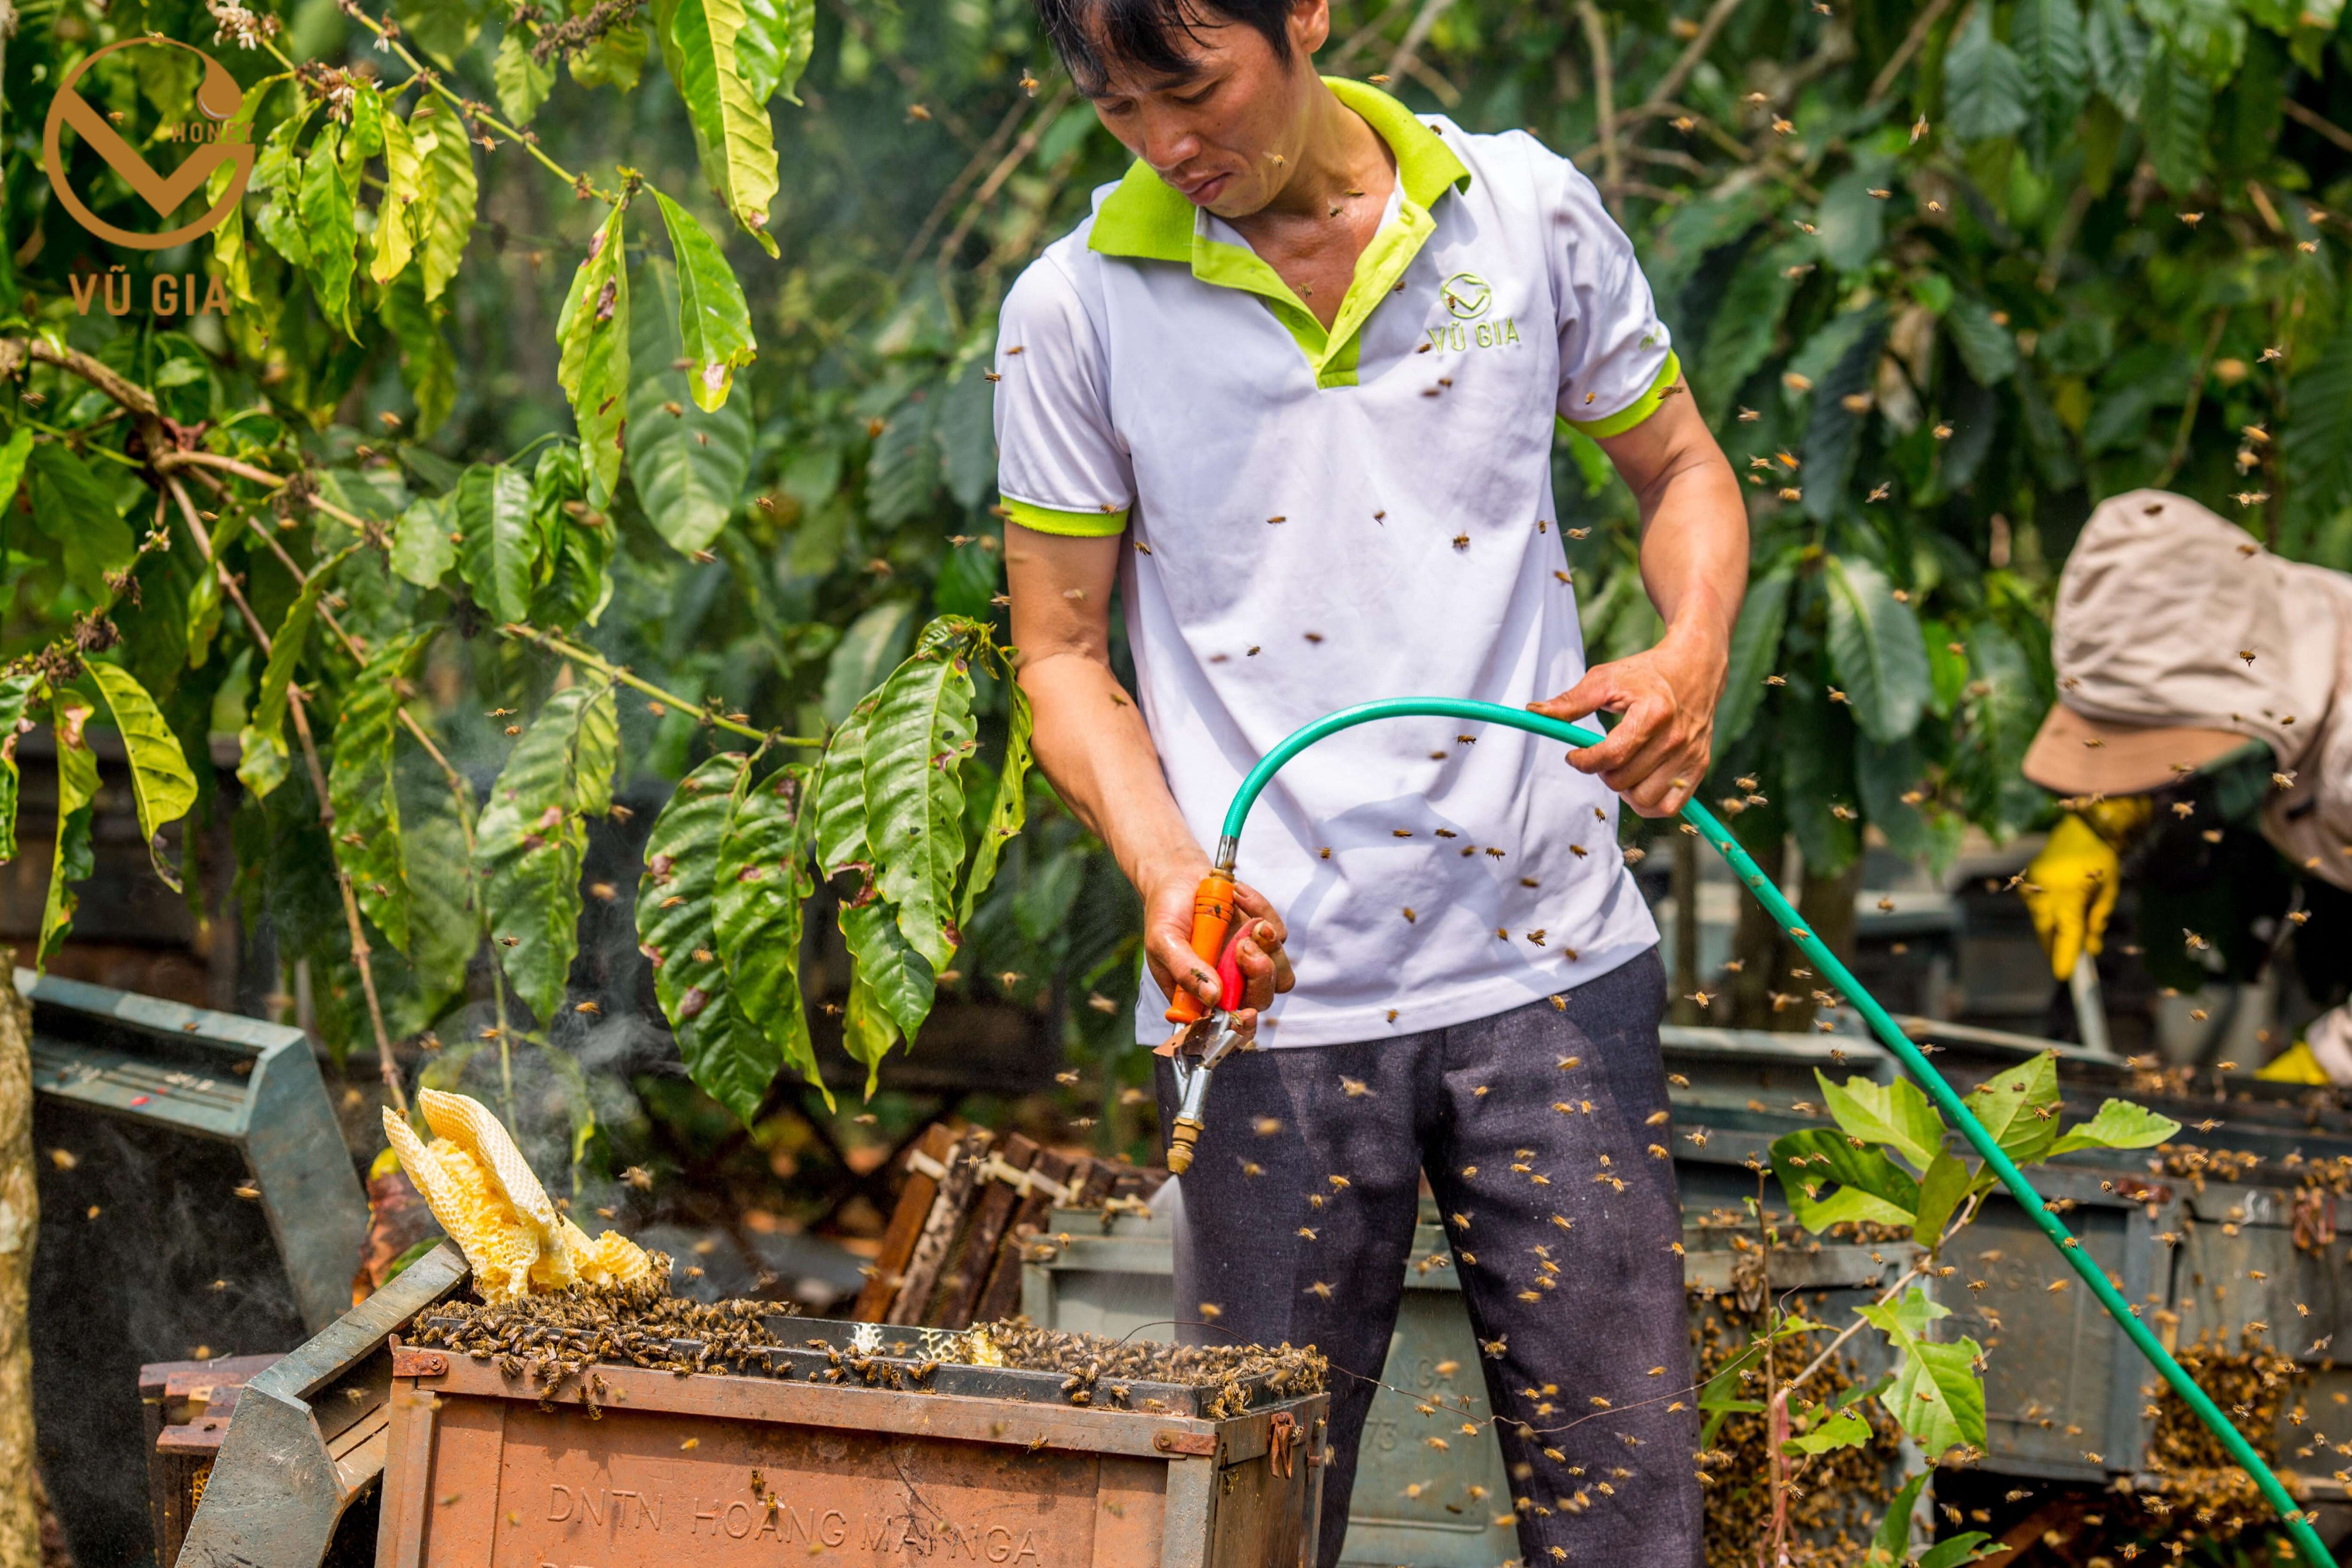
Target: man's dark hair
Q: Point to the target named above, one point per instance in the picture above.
(1149, 35)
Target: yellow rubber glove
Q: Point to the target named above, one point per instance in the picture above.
(2070, 890)
(2294, 1065)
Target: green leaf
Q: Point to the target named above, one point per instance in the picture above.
(593, 369)
(1954, 1551)
(875, 642)
(867, 1032)
(230, 250)
(329, 225)
(428, 366)
(20, 691)
(523, 83)
(71, 506)
(162, 783)
(528, 843)
(903, 471)
(2316, 444)
(1739, 339)
(1010, 807)
(2119, 1124)
(901, 978)
(1843, 1429)
(72, 858)
(395, 216)
(2176, 111)
(1850, 226)
(731, 127)
(499, 544)
(1936, 1395)
(361, 786)
(2019, 1108)
(690, 464)
(773, 48)
(2208, 37)
(615, 59)
(762, 887)
(262, 740)
(1941, 1192)
(714, 324)
(2052, 57)
(1869, 1186)
(2118, 47)
(1985, 345)
(725, 1054)
(917, 740)
(1898, 1115)
(14, 453)
(422, 550)
(1984, 86)
(1755, 649)
(1834, 433)
(967, 434)
(841, 796)
(1877, 653)
(278, 169)
(447, 178)
(1895, 1529)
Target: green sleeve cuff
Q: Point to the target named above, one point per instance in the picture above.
(1641, 408)
(1070, 524)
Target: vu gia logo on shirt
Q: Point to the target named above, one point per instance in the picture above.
(1468, 297)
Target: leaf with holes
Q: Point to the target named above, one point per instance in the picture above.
(528, 843)
(763, 884)
(677, 911)
(162, 783)
(1877, 653)
(593, 365)
(369, 845)
(714, 324)
(72, 858)
(916, 744)
(21, 690)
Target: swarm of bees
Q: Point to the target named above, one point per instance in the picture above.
(1235, 1372)
(550, 1340)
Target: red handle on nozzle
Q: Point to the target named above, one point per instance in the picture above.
(1212, 924)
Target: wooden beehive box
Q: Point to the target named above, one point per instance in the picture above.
(963, 1463)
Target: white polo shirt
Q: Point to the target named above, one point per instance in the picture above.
(1319, 519)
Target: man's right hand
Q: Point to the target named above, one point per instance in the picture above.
(1168, 943)
(2070, 889)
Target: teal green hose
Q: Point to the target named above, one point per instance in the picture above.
(1840, 979)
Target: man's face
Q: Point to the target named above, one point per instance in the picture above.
(1227, 130)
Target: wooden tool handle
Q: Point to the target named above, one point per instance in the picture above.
(1212, 918)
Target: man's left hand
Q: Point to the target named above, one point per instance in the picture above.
(1657, 753)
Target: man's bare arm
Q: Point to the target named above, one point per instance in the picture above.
(1091, 743)
(1694, 564)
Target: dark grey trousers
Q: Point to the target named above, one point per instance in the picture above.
(1535, 1128)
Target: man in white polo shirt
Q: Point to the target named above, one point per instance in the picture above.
(1290, 391)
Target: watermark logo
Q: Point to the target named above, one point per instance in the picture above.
(219, 98)
(1467, 294)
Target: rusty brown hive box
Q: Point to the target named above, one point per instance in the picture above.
(957, 1463)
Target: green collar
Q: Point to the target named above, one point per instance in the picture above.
(1148, 219)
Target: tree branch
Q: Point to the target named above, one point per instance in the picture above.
(1921, 26)
(1604, 95)
(1679, 72)
(591, 659)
